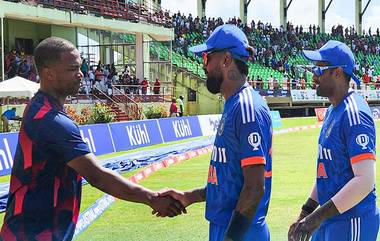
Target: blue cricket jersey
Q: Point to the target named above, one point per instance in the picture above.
(244, 138)
(347, 137)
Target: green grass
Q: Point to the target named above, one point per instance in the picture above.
(292, 122)
(293, 175)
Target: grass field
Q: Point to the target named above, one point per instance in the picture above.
(293, 174)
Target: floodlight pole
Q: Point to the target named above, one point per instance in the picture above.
(244, 10)
(201, 8)
(284, 6)
(359, 15)
(322, 14)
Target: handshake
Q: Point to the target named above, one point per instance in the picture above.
(169, 202)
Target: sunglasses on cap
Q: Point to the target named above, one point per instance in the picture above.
(318, 70)
(206, 56)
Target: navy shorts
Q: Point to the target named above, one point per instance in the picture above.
(255, 232)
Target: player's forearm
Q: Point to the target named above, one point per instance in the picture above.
(119, 187)
(357, 188)
(326, 211)
(249, 199)
(245, 210)
(196, 195)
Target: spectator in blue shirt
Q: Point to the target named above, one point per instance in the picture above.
(6, 116)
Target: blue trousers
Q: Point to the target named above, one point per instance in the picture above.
(255, 232)
(363, 228)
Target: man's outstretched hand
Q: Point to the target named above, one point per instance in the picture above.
(177, 195)
(166, 206)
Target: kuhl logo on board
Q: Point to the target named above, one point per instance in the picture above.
(89, 140)
(182, 128)
(6, 156)
(214, 123)
(138, 135)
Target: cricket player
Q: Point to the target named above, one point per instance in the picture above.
(342, 204)
(239, 177)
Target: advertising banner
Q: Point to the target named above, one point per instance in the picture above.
(306, 96)
(276, 119)
(179, 128)
(320, 113)
(8, 144)
(133, 134)
(375, 112)
(209, 124)
(98, 138)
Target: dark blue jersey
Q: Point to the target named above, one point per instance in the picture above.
(45, 193)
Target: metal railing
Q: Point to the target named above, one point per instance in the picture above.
(132, 108)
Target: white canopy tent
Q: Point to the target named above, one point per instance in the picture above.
(18, 87)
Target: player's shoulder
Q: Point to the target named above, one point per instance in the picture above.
(247, 103)
(43, 110)
(356, 110)
(40, 107)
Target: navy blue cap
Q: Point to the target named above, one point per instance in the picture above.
(225, 37)
(335, 53)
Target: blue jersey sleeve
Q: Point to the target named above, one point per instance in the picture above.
(360, 135)
(252, 137)
(61, 137)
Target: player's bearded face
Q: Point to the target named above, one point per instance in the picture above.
(214, 80)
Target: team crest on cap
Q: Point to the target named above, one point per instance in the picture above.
(362, 140)
(221, 125)
(254, 139)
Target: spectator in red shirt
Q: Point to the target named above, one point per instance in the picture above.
(144, 86)
(366, 79)
(157, 86)
(173, 108)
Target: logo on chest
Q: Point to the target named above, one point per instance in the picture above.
(329, 129)
(221, 125)
(254, 139)
(362, 140)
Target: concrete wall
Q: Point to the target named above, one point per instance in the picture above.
(206, 103)
(68, 33)
(35, 31)
(21, 29)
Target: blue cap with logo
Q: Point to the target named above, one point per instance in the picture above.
(225, 37)
(335, 53)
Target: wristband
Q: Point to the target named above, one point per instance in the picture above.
(309, 206)
(307, 209)
(238, 226)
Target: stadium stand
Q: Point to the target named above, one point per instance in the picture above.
(277, 50)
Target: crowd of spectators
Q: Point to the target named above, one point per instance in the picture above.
(278, 48)
(102, 79)
(17, 63)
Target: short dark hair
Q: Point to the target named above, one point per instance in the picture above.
(242, 67)
(49, 51)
